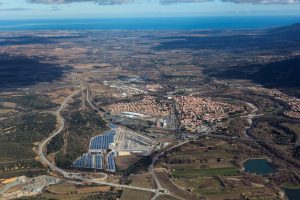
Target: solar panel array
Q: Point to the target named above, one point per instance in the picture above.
(102, 142)
(94, 159)
(111, 161)
(98, 159)
(89, 161)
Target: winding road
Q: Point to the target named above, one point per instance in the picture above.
(61, 125)
(78, 177)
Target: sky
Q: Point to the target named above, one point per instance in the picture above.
(51, 9)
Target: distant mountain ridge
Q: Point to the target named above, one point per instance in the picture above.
(286, 37)
(278, 74)
(291, 30)
(281, 74)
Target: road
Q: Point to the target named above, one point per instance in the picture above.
(151, 167)
(151, 170)
(118, 185)
(61, 125)
(75, 176)
(250, 116)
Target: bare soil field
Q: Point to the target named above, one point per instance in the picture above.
(140, 180)
(88, 190)
(123, 162)
(59, 95)
(136, 195)
(166, 182)
(62, 189)
(166, 197)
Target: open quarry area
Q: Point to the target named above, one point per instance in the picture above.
(23, 186)
(152, 115)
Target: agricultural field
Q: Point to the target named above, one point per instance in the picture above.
(74, 195)
(143, 180)
(213, 168)
(169, 114)
(205, 172)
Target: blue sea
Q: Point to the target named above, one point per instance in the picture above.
(183, 23)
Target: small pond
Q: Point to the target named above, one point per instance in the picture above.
(259, 166)
(292, 194)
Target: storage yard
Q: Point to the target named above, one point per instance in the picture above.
(130, 142)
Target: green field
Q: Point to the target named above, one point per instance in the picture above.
(190, 173)
(202, 185)
(291, 186)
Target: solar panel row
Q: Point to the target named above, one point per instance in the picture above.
(89, 161)
(111, 161)
(102, 141)
(98, 159)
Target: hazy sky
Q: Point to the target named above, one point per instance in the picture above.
(37, 9)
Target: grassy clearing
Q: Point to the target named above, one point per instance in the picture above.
(295, 128)
(291, 186)
(166, 182)
(202, 185)
(64, 188)
(191, 173)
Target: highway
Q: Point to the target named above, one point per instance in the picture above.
(75, 176)
(61, 125)
(160, 190)
(151, 169)
(117, 185)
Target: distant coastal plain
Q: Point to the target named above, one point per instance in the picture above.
(165, 23)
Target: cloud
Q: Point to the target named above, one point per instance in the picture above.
(15, 9)
(264, 1)
(100, 2)
(163, 2)
(54, 8)
(3, 9)
(167, 2)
